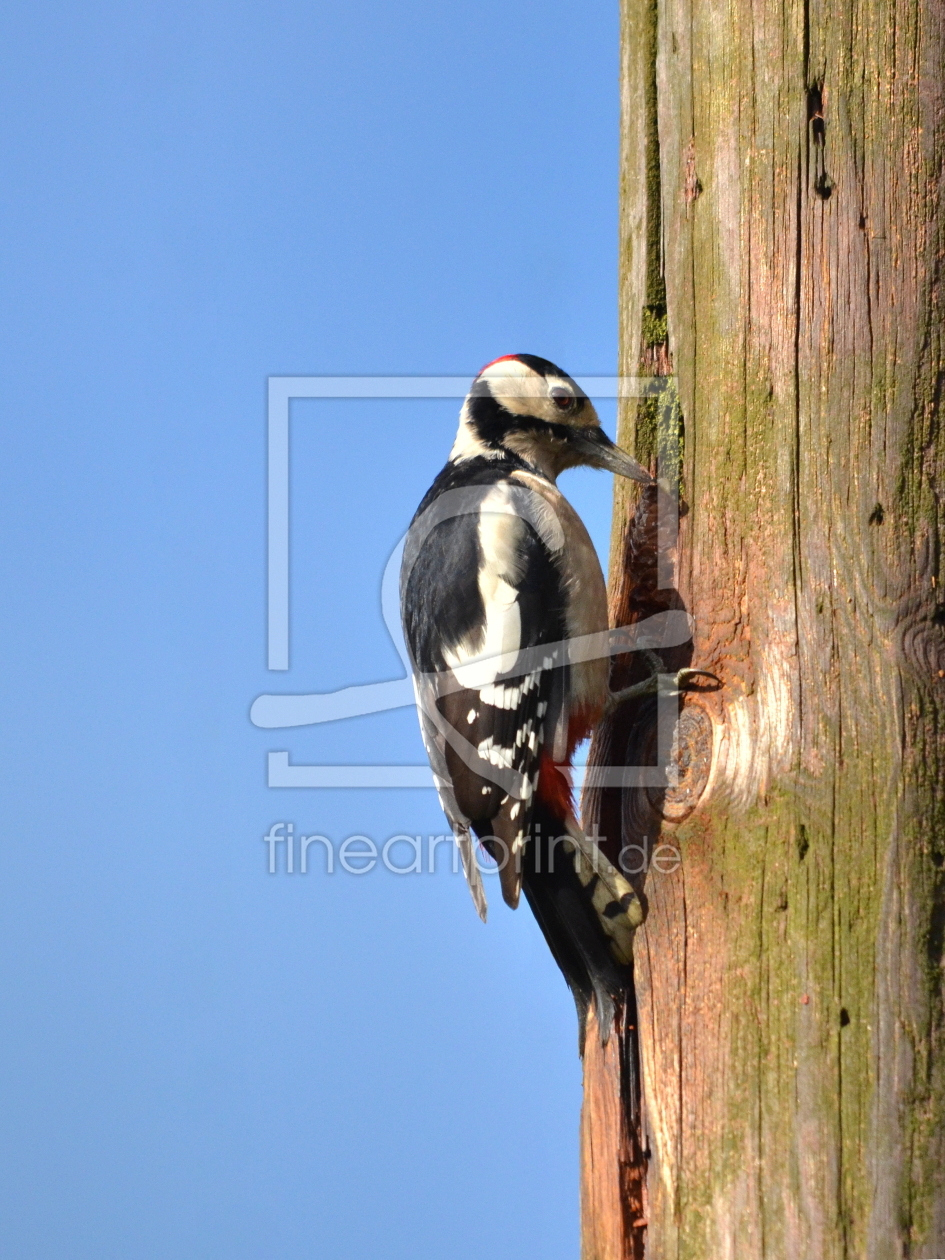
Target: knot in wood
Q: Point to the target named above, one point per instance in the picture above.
(690, 765)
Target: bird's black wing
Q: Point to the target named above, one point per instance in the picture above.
(483, 610)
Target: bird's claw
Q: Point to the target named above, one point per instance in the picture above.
(658, 684)
(682, 678)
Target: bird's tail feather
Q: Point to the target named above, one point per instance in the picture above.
(586, 911)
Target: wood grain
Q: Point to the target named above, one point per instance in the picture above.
(790, 972)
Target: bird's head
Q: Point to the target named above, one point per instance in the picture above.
(526, 405)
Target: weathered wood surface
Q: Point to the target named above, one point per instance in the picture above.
(790, 972)
(613, 1189)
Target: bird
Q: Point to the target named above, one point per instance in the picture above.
(499, 582)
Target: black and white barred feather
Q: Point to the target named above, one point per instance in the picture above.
(498, 576)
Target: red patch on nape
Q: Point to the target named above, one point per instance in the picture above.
(554, 786)
(503, 358)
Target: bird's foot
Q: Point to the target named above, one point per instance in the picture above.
(657, 684)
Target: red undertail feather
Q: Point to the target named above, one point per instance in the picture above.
(554, 781)
(554, 786)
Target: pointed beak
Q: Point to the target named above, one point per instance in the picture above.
(598, 451)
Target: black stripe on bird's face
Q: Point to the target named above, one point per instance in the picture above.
(493, 423)
(549, 444)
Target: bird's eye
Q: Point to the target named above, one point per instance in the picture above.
(562, 399)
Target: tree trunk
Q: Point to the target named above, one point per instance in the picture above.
(783, 235)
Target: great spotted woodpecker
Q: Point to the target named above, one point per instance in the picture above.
(499, 580)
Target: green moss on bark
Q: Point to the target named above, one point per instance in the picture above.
(791, 972)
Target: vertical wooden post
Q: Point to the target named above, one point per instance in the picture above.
(788, 161)
(613, 1182)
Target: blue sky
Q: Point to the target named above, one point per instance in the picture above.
(201, 1059)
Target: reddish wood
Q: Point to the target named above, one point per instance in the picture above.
(613, 1168)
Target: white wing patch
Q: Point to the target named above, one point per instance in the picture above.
(496, 754)
(499, 645)
(484, 662)
(479, 663)
(507, 696)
